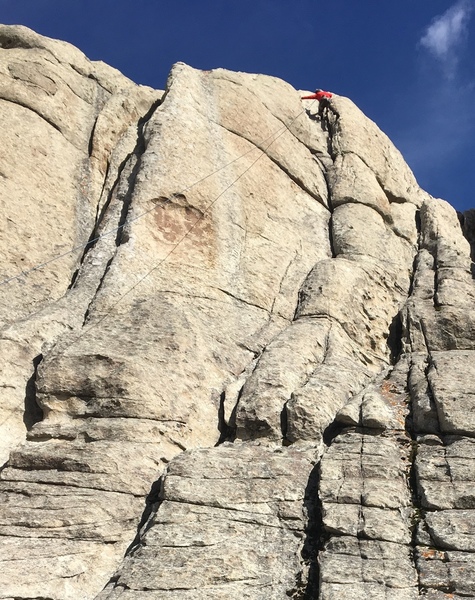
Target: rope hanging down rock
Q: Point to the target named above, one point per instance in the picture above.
(40, 266)
(275, 137)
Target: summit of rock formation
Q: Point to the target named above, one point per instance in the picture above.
(237, 344)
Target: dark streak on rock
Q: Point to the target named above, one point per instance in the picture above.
(32, 413)
(140, 147)
(224, 429)
(284, 424)
(394, 341)
(315, 536)
(152, 504)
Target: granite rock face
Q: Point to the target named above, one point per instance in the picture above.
(237, 345)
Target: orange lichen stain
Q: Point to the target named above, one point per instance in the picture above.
(389, 388)
(186, 226)
(432, 554)
(397, 399)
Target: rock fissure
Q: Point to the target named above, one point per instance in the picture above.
(331, 238)
(105, 220)
(286, 171)
(231, 295)
(392, 198)
(33, 413)
(316, 536)
(97, 80)
(413, 485)
(99, 286)
(225, 431)
(330, 126)
(36, 112)
(138, 152)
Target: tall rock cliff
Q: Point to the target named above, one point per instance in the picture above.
(237, 345)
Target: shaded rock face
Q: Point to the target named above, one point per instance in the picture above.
(237, 345)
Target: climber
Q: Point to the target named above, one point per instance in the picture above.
(325, 103)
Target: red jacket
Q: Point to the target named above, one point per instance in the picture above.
(318, 96)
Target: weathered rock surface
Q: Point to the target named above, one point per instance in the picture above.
(237, 345)
(214, 538)
(68, 125)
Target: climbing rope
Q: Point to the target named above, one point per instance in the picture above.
(275, 137)
(85, 330)
(210, 205)
(115, 230)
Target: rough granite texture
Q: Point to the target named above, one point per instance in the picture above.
(237, 345)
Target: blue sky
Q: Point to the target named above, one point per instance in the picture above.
(409, 65)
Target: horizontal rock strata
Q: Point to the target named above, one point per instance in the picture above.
(230, 523)
(237, 345)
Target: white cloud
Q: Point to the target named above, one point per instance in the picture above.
(443, 36)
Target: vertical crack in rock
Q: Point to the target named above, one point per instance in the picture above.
(394, 340)
(417, 219)
(231, 396)
(360, 518)
(100, 214)
(74, 277)
(225, 431)
(126, 198)
(118, 222)
(90, 145)
(420, 404)
(284, 424)
(330, 126)
(99, 217)
(98, 289)
(331, 152)
(139, 150)
(417, 514)
(330, 237)
(152, 504)
(430, 390)
(32, 413)
(315, 537)
(301, 296)
(435, 298)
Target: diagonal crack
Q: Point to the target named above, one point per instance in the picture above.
(231, 295)
(263, 148)
(43, 117)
